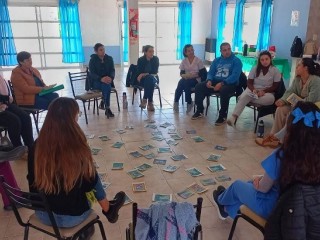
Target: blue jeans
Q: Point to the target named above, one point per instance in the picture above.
(44, 101)
(67, 221)
(148, 83)
(186, 85)
(106, 91)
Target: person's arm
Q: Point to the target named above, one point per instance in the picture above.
(92, 71)
(235, 73)
(20, 83)
(212, 71)
(314, 91)
(263, 184)
(290, 90)
(112, 71)
(182, 72)
(156, 65)
(87, 186)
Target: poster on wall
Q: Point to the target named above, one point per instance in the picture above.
(133, 26)
(295, 18)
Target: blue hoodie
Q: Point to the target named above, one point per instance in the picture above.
(226, 70)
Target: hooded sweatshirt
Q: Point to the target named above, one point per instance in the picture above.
(100, 68)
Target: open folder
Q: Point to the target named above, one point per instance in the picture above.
(50, 90)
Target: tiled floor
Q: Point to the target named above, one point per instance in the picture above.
(242, 158)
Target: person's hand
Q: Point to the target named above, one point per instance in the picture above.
(256, 182)
(261, 93)
(106, 80)
(279, 103)
(217, 87)
(255, 91)
(141, 75)
(3, 107)
(209, 84)
(184, 76)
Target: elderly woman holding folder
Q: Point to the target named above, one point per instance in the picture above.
(27, 83)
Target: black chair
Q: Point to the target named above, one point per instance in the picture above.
(81, 78)
(140, 88)
(130, 235)
(239, 89)
(35, 112)
(251, 217)
(37, 201)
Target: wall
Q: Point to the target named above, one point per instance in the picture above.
(313, 21)
(282, 34)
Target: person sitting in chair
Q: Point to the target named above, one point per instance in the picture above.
(27, 83)
(223, 78)
(102, 73)
(147, 70)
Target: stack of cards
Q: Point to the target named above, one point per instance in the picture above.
(194, 172)
(143, 167)
(214, 157)
(104, 138)
(139, 187)
(217, 168)
(117, 144)
(152, 126)
(146, 147)
(208, 181)
(172, 131)
(219, 147)
(198, 139)
(159, 161)
(95, 150)
(150, 156)
(135, 173)
(136, 154)
(120, 131)
(172, 142)
(195, 187)
(157, 197)
(157, 138)
(179, 157)
(150, 121)
(157, 133)
(170, 168)
(164, 150)
(165, 125)
(176, 137)
(117, 166)
(186, 193)
(223, 178)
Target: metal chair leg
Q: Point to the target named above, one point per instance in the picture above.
(97, 104)
(26, 233)
(208, 104)
(233, 228)
(85, 111)
(117, 100)
(160, 97)
(133, 96)
(103, 234)
(36, 120)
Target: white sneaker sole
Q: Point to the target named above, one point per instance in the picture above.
(218, 211)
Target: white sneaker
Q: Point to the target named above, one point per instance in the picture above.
(231, 121)
(190, 107)
(176, 107)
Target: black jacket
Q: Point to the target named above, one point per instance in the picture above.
(296, 215)
(99, 69)
(141, 65)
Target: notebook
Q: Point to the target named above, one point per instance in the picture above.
(50, 90)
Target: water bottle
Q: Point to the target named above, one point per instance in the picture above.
(245, 50)
(260, 132)
(124, 100)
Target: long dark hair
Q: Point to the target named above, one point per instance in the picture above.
(300, 153)
(259, 65)
(313, 67)
(184, 51)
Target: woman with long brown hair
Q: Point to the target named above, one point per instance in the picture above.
(61, 165)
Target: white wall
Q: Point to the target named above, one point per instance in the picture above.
(99, 22)
(201, 21)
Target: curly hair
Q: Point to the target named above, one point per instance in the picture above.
(300, 153)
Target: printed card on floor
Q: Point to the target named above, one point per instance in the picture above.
(102, 176)
(150, 121)
(139, 187)
(136, 154)
(172, 131)
(223, 178)
(170, 168)
(146, 147)
(95, 150)
(195, 187)
(150, 156)
(165, 125)
(127, 200)
(143, 167)
(157, 197)
(194, 172)
(129, 127)
(176, 137)
(117, 166)
(117, 144)
(95, 164)
(172, 142)
(214, 157)
(104, 138)
(197, 139)
(219, 147)
(159, 161)
(135, 173)
(217, 168)
(179, 157)
(105, 185)
(152, 126)
(185, 193)
(191, 131)
(120, 131)
(164, 150)
(157, 133)
(208, 181)
(157, 138)
(90, 136)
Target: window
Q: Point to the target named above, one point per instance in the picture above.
(228, 29)
(37, 30)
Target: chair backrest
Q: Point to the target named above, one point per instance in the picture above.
(33, 201)
(280, 91)
(242, 84)
(131, 75)
(79, 77)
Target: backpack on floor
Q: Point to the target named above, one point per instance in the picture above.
(296, 49)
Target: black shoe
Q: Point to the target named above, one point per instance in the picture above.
(197, 115)
(115, 205)
(221, 189)
(101, 106)
(108, 113)
(220, 121)
(221, 213)
(87, 234)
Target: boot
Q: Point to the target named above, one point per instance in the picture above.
(113, 213)
(108, 113)
(101, 106)
(150, 107)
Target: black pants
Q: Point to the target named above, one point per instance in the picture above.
(19, 124)
(186, 85)
(226, 92)
(148, 83)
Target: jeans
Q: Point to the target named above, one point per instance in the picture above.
(106, 91)
(43, 102)
(19, 124)
(71, 221)
(148, 83)
(186, 85)
(226, 92)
